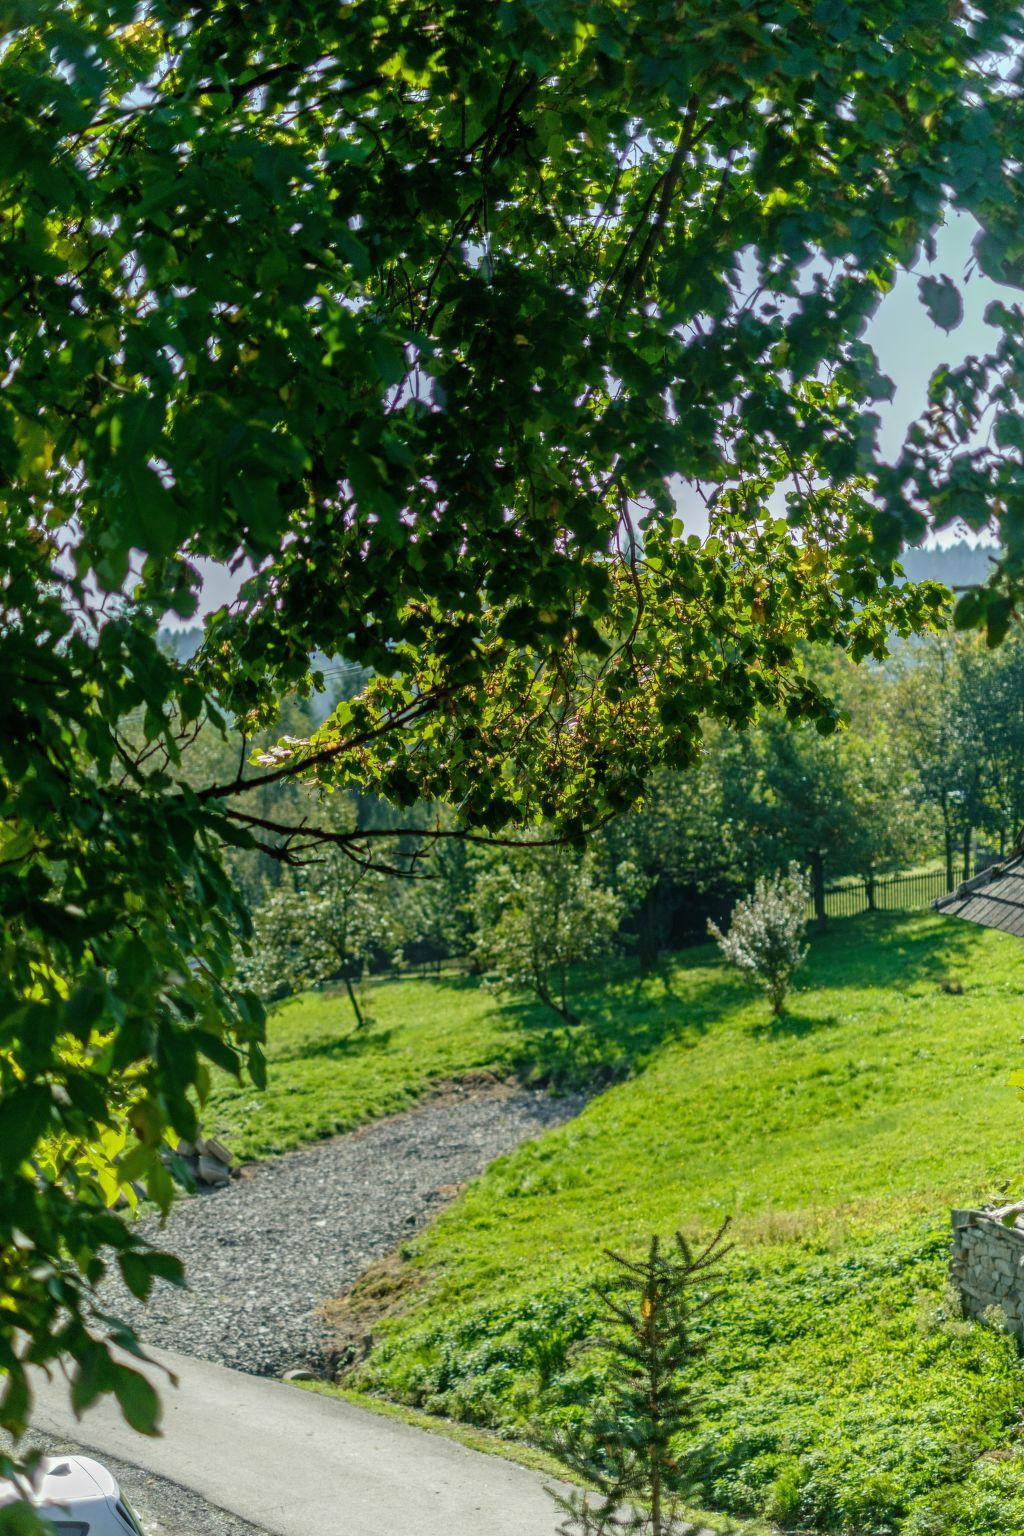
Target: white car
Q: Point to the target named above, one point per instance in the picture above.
(78, 1497)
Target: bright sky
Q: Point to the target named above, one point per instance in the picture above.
(910, 347)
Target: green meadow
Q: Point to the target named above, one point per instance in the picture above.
(841, 1391)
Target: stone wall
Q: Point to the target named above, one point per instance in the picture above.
(987, 1265)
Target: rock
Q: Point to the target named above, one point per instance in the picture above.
(212, 1171)
(1004, 1213)
(209, 1147)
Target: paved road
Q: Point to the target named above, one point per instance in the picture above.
(294, 1463)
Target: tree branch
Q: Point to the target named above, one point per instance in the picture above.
(668, 192)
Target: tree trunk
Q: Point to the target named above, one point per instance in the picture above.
(818, 888)
(869, 887)
(562, 1009)
(947, 837)
(968, 832)
(648, 931)
(655, 1408)
(353, 999)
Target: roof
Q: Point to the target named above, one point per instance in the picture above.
(994, 898)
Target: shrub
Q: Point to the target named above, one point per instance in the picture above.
(766, 930)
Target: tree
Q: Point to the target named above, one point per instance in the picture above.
(421, 322)
(765, 938)
(540, 916)
(837, 804)
(437, 911)
(629, 1452)
(327, 925)
(957, 708)
(681, 848)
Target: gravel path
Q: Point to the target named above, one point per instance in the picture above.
(263, 1253)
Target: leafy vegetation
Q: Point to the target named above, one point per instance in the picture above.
(330, 923)
(422, 329)
(841, 1392)
(537, 919)
(765, 940)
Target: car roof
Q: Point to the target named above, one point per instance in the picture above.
(64, 1480)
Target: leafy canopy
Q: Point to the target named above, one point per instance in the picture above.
(424, 323)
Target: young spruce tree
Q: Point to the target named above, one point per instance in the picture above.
(630, 1457)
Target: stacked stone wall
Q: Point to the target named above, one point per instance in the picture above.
(987, 1266)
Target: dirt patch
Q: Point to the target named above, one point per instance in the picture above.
(382, 1291)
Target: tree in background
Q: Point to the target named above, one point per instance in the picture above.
(425, 322)
(836, 805)
(629, 1454)
(955, 709)
(437, 910)
(766, 934)
(538, 917)
(327, 925)
(681, 849)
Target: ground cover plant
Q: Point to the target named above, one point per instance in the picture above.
(841, 1391)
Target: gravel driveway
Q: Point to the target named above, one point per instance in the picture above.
(263, 1253)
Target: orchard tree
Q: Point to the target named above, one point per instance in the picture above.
(327, 925)
(680, 845)
(425, 324)
(836, 805)
(539, 916)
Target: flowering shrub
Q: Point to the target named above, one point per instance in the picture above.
(766, 931)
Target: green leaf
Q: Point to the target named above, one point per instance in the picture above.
(24, 1118)
(941, 298)
(138, 1399)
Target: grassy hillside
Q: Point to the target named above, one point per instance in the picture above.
(325, 1076)
(841, 1391)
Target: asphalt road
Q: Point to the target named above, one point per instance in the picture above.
(293, 1463)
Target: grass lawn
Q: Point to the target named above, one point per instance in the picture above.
(841, 1392)
(325, 1076)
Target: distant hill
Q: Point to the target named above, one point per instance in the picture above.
(181, 643)
(958, 565)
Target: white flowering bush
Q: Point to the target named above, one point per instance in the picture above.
(766, 933)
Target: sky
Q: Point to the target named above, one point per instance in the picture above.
(910, 347)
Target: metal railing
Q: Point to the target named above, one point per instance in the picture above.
(891, 893)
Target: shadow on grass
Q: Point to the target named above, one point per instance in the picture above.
(793, 1025)
(888, 949)
(357, 1042)
(628, 1016)
(445, 981)
(625, 1021)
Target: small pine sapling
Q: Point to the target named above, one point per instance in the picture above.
(766, 933)
(630, 1457)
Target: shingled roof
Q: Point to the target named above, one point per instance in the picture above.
(994, 898)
